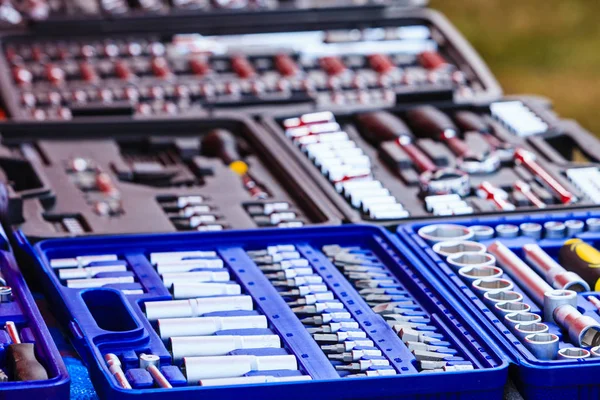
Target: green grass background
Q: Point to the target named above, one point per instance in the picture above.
(544, 47)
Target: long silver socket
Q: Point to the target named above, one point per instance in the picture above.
(544, 346)
(521, 318)
(573, 353)
(460, 260)
(523, 330)
(531, 282)
(584, 331)
(553, 272)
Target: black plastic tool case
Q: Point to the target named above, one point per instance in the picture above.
(560, 147)
(170, 73)
(106, 320)
(47, 198)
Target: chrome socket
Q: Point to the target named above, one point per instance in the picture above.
(509, 307)
(523, 330)
(443, 232)
(488, 285)
(531, 229)
(557, 298)
(583, 331)
(544, 346)
(451, 247)
(554, 273)
(460, 260)
(482, 232)
(522, 318)
(573, 353)
(493, 297)
(483, 272)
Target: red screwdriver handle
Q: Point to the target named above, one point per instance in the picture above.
(420, 159)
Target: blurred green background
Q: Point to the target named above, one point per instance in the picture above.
(544, 47)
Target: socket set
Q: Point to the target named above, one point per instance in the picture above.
(532, 281)
(212, 175)
(221, 310)
(120, 15)
(30, 364)
(418, 58)
(425, 161)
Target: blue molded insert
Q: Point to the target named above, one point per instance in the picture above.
(93, 342)
(537, 379)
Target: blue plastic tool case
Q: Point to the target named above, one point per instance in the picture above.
(23, 311)
(536, 379)
(105, 320)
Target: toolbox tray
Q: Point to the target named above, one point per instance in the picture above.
(225, 90)
(23, 311)
(84, 313)
(66, 18)
(45, 197)
(536, 379)
(563, 145)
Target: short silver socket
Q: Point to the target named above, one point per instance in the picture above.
(522, 318)
(544, 346)
(443, 232)
(507, 231)
(510, 307)
(595, 351)
(485, 272)
(531, 229)
(555, 230)
(450, 247)
(523, 330)
(574, 226)
(501, 296)
(573, 353)
(482, 232)
(486, 285)
(593, 224)
(460, 260)
(556, 298)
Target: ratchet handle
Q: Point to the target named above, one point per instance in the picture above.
(382, 126)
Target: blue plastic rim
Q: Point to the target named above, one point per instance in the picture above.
(537, 379)
(23, 311)
(90, 315)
